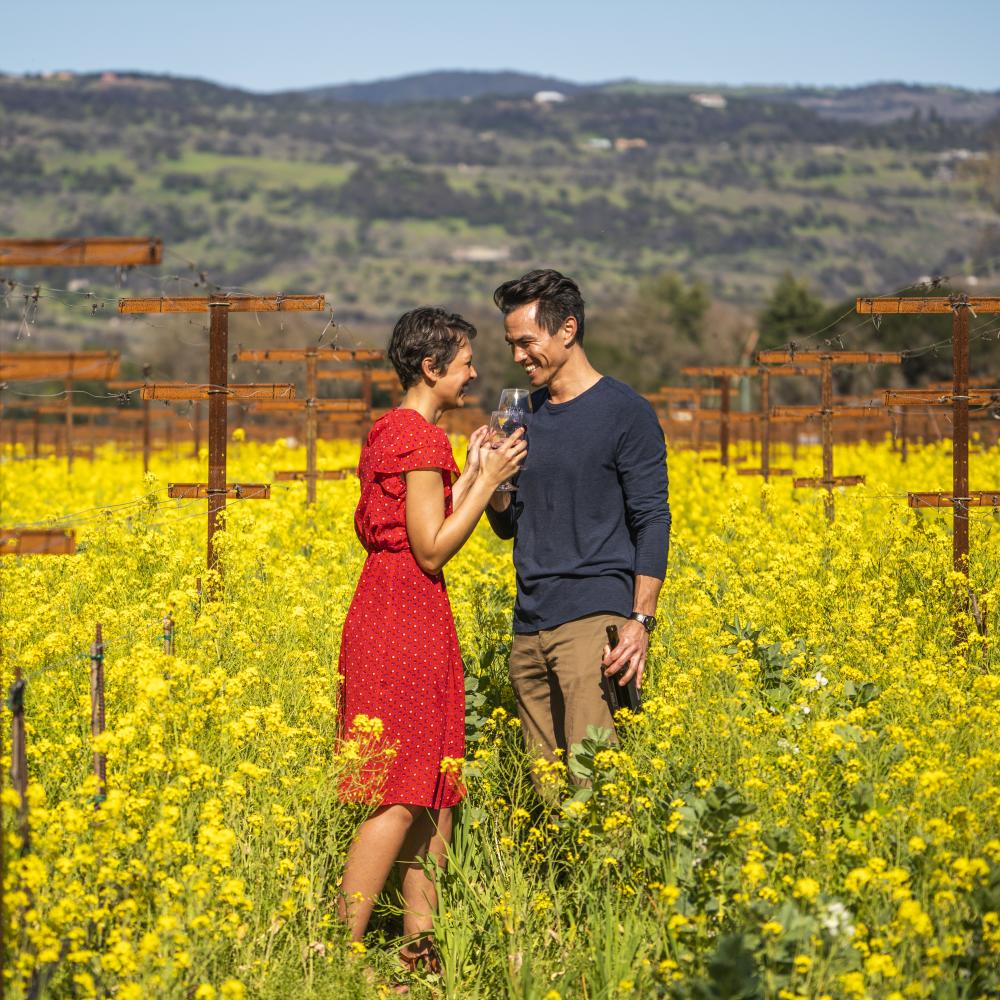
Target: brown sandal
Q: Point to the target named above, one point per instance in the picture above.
(412, 955)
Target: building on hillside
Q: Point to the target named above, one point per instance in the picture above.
(480, 254)
(623, 145)
(597, 142)
(714, 101)
(549, 97)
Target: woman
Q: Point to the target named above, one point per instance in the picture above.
(399, 657)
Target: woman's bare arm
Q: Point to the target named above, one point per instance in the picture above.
(434, 538)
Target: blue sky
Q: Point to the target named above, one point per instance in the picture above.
(285, 44)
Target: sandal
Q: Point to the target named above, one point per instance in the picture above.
(412, 955)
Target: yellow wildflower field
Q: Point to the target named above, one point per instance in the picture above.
(808, 805)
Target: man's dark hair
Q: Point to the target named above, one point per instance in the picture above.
(557, 297)
(426, 332)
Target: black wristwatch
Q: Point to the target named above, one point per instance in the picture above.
(648, 622)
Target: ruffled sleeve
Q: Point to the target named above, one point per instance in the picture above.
(416, 445)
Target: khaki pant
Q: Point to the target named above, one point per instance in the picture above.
(556, 674)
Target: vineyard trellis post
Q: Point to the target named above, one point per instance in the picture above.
(95, 251)
(311, 405)
(218, 392)
(63, 366)
(146, 431)
(723, 375)
(826, 412)
(961, 497)
(766, 372)
(97, 711)
(19, 754)
(168, 634)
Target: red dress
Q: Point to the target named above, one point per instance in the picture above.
(399, 655)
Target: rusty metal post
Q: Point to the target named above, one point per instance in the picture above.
(366, 387)
(19, 755)
(97, 710)
(36, 434)
(724, 392)
(168, 634)
(146, 371)
(197, 429)
(311, 370)
(765, 409)
(68, 387)
(826, 406)
(960, 439)
(218, 380)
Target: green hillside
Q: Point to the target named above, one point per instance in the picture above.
(383, 206)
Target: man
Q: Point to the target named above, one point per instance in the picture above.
(590, 520)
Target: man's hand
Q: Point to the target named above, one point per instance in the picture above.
(628, 658)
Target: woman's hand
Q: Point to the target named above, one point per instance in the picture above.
(476, 441)
(496, 465)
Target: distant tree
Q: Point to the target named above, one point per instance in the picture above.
(791, 311)
(667, 299)
(655, 333)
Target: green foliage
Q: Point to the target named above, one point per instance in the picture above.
(790, 312)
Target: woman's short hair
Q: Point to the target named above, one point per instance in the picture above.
(557, 296)
(426, 332)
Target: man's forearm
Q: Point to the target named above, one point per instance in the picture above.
(500, 515)
(646, 594)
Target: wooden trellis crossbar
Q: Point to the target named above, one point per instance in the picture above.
(720, 371)
(976, 498)
(895, 305)
(303, 476)
(318, 405)
(822, 483)
(249, 390)
(841, 357)
(233, 303)
(39, 366)
(382, 376)
(797, 413)
(79, 411)
(91, 251)
(301, 353)
(936, 397)
(217, 389)
(733, 416)
(37, 541)
(236, 491)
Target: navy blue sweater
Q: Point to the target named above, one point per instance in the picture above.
(591, 510)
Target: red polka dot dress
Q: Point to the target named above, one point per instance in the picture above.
(399, 656)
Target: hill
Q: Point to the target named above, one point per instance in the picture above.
(384, 205)
(444, 85)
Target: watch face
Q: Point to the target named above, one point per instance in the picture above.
(650, 624)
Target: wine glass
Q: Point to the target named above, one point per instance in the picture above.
(518, 403)
(503, 423)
